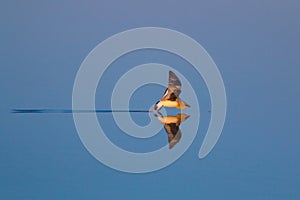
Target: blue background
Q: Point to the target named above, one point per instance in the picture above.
(255, 45)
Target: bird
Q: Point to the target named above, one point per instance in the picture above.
(171, 126)
(171, 95)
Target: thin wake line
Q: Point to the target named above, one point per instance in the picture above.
(74, 111)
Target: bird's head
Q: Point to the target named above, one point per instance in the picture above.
(158, 106)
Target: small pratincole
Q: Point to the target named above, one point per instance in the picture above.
(171, 95)
(171, 125)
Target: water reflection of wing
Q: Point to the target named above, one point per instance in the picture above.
(174, 134)
(171, 125)
(174, 88)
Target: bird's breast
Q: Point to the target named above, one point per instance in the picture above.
(168, 103)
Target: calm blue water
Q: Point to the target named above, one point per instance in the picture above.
(256, 47)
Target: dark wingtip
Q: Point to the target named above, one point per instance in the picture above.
(171, 73)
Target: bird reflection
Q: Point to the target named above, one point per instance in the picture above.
(171, 126)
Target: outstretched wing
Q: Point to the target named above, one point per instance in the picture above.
(174, 88)
(174, 84)
(174, 134)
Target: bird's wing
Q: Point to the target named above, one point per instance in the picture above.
(174, 134)
(169, 95)
(174, 88)
(174, 84)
